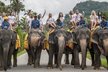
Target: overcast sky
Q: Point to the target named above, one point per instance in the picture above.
(51, 6)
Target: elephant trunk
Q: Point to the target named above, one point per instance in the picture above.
(5, 56)
(105, 44)
(83, 45)
(61, 45)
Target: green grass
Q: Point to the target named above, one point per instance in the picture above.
(103, 60)
(21, 53)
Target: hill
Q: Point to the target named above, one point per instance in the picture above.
(88, 6)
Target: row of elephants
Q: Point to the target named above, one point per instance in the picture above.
(60, 41)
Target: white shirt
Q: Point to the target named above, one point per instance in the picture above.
(76, 17)
(50, 20)
(1, 20)
(93, 18)
(41, 22)
(12, 19)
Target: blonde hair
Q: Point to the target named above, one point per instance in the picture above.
(93, 12)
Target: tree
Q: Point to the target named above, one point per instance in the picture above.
(17, 6)
(2, 7)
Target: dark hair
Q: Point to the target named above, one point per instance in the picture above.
(103, 17)
(60, 14)
(39, 16)
(99, 13)
(71, 12)
(35, 17)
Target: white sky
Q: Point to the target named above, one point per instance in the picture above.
(51, 6)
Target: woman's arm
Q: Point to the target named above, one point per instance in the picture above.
(44, 13)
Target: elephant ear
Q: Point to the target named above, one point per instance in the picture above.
(52, 38)
(97, 35)
(13, 37)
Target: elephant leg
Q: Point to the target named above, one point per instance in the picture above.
(47, 51)
(11, 51)
(107, 61)
(15, 58)
(50, 62)
(35, 59)
(60, 54)
(39, 56)
(76, 58)
(1, 60)
(83, 63)
(97, 57)
(29, 57)
(55, 60)
(5, 58)
(92, 55)
(72, 61)
(67, 58)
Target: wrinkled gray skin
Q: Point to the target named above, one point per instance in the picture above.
(67, 51)
(82, 37)
(100, 46)
(57, 41)
(7, 48)
(35, 47)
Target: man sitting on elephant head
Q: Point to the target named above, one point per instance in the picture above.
(104, 22)
(5, 23)
(35, 23)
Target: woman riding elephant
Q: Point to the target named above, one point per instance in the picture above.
(56, 47)
(82, 37)
(35, 42)
(57, 43)
(100, 45)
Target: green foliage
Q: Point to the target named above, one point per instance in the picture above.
(17, 6)
(4, 8)
(105, 14)
(21, 31)
(103, 60)
(88, 6)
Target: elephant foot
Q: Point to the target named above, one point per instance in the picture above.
(50, 67)
(82, 68)
(5, 69)
(96, 68)
(60, 67)
(9, 67)
(15, 65)
(77, 66)
(67, 62)
(29, 64)
(1, 69)
(36, 66)
(72, 63)
(92, 64)
(56, 66)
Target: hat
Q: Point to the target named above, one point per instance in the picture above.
(5, 18)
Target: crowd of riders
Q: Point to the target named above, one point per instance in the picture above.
(34, 21)
(76, 19)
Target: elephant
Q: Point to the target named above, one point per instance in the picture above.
(100, 46)
(82, 39)
(57, 43)
(69, 47)
(7, 49)
(35, 42)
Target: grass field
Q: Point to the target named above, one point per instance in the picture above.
(103, 59)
